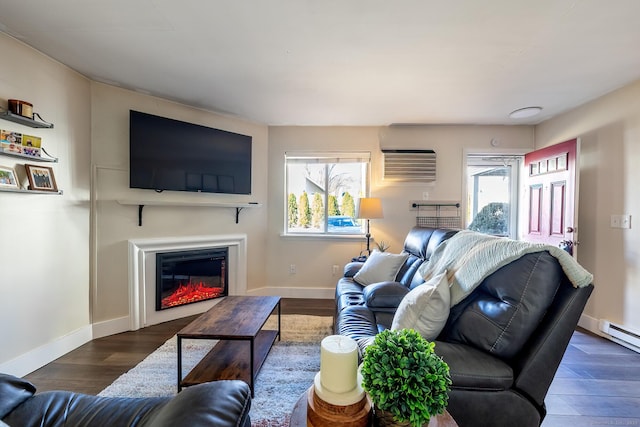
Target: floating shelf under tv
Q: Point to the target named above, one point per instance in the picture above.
(141, 203)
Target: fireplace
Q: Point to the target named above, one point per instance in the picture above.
(142, 274)
(188, 277)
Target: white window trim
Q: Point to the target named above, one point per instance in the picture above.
(323, 157)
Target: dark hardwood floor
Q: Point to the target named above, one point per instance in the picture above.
(96, 364)
(598, 382)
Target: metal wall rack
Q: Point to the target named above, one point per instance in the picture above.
(438, 215)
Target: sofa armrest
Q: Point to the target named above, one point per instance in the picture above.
(384, 295)
(13, 391)
(224, 403)
(352, 268)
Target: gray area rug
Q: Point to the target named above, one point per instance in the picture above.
(288, 371)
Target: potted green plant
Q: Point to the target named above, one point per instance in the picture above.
(382, 246)
(406, 381)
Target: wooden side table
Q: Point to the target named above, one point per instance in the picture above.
(299, 416)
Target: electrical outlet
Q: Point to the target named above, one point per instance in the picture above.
(425, 195)
(292, 269)
(335, 269)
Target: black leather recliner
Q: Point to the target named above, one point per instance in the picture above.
(218, 403)
(503, 343)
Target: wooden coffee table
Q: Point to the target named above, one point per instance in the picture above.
(236, 321)
(299, 415)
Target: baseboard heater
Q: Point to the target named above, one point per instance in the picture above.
(621, 334)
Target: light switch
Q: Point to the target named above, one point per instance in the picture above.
(615, 221)
(620, 221)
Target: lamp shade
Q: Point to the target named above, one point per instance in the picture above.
(369, 208)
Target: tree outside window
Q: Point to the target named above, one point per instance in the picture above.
(321, 188)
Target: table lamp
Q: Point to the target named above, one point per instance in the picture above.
(369, 208)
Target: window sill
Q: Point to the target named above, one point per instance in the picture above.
(319, 236)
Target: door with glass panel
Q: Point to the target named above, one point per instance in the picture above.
(492, 185)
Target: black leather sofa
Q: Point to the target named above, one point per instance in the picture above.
(502, 358)
(218, 403)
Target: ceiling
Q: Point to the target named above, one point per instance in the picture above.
(345, 62)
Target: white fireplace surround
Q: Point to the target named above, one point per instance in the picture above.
(142, 274)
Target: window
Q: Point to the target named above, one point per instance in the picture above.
(492, 194)
(321, 192)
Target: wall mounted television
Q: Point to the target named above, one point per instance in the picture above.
(168, 154)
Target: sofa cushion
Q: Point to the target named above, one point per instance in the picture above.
(384, 295)
(359, 323)
(346, 285)
(380, 267)
(425, 308)
(500, 315)
(408, 270)
(472, 369)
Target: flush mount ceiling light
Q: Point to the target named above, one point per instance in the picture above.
(522, 113)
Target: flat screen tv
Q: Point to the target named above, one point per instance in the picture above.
(168, 154)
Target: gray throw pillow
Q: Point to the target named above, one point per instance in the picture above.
(380, 267)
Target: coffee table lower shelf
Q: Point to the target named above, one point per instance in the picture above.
(228, 360)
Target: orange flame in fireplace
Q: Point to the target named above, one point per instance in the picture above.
(191, 292)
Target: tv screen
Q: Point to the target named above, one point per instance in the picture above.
(168, 154)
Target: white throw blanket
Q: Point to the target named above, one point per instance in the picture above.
(469, 257)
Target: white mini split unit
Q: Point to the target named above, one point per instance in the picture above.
(620, 334)
(409, 166)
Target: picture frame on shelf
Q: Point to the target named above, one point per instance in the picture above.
(8, 178)
(41, 178)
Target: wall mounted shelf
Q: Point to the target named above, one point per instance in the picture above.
(6, 152)
(34, 159)
(21, 190)
(142, 203)
(8, 115)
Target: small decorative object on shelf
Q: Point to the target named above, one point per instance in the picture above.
(11, 141)
(41, 178)
(21, 108)
(406, 381)
(8, 178)
(31, 145)
(22, 112)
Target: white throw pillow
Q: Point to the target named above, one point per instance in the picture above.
(380, 267)
(425, 308)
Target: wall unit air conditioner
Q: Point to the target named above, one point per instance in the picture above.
(409, 165)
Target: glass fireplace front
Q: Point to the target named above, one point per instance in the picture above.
(190, 276)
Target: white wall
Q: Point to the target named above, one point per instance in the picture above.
(44, 266)
(314, 257)
(114, 224)
(609, 129)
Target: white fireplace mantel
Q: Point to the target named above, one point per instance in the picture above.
(142, 263)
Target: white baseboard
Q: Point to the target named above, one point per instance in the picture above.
(311, 293)
(111, 327)
(594, 325)
(40, 356)
(590, 324)
(121, 324)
